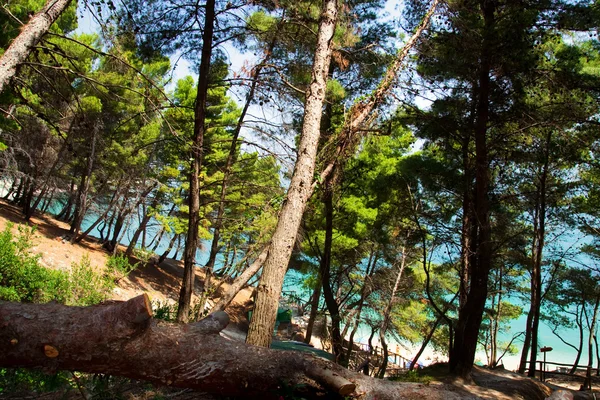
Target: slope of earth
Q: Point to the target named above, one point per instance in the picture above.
(161, 282)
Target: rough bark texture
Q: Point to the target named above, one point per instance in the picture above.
(191, 242)
(325, 273)
(121, 338)
(282, 242)
(462, 355)
(32, 33)
(84, 187)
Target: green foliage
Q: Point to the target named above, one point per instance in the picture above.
(86, 286)
(413, 376)
(118, 266)
(164, 311)
(22, 278)
(15, 380)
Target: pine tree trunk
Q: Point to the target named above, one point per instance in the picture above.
(325, 272)
(588, 376)
(49, 200)
(425, 343)
(164, 255)
(30, 35)
(65, 213)
(142, 226)
(536, 254)
(495, 328)
(191, 243)
(17, 195)
(45, 185)
(102, 217)
(314, 309)
(84, 187)
(388, 311)
(284, 238)
(470, 315)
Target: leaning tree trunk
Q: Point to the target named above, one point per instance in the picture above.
(538, 248)
(282, 243)
(109, 208)
(191, 242)
(241, 281)
(165, 253)
(142, 227)
(30, 35)
(325, 272)
(314, 309)
(425, 343)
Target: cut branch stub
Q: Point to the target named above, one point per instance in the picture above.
(50, 351)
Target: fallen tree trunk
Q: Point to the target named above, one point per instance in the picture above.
(121, 338)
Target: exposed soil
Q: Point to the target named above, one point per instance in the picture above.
(162, 283)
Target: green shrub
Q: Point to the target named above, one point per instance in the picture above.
(164, 311)
(413, 376)
(88, 287)
(118, 267)
(22, 278)
(14, 380)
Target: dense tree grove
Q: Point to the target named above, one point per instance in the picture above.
(431, 171)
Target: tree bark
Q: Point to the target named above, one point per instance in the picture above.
(314, 309)
(142, 226)
(462, 355)
(359, 112)
(30, 36)
(425, 343)
(121, 338)
(388, 311)
(241, 281)
(65, 213)
(165, 253)
(325, 272)
(191, 242)
(84, 187)
(102, 217)
(300, 189)
(587, 384)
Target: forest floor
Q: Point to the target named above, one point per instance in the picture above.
(162, 282)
